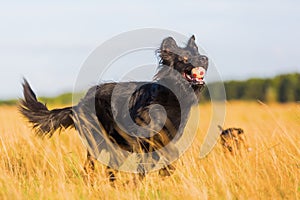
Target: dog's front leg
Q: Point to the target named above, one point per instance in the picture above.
(244, 142)
(111, 174)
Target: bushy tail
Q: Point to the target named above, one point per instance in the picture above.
(44, 121)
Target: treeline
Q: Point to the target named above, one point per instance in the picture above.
(282, 88)
(63, 99)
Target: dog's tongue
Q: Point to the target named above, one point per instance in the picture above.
(198, 72)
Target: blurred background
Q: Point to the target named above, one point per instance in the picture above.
(47, 42)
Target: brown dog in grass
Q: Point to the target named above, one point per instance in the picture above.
(233, 140)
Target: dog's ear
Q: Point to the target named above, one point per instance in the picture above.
(168, 51)
(191, 40)
(192, 44)
(169, 45)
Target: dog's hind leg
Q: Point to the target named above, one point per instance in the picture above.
(89, 165)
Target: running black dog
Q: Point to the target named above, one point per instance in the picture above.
(135, 117)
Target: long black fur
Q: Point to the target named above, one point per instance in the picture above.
(44, 121)
(177, 104)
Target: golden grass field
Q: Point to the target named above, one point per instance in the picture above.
(35, 168)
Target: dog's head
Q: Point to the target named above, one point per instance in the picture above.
(187, 60)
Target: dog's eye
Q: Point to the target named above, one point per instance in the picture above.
(166, 50)
(185, 59)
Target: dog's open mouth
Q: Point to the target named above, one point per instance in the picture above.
(195, 75)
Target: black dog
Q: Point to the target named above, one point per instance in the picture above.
(104, 114)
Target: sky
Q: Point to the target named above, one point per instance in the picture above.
(48, 41)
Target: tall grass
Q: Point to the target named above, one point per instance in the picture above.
(34, 168)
